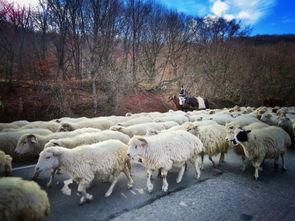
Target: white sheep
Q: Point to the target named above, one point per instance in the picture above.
(98, 123)
(50, 125)
(213, 138)
(88, 138)
(22, 200)
(33, 144)
(230, 130)
(164, 150)
(286, 124)
(8, 126)
(269, 119)
(8, 140)
(5, 164)
(260, 144)
(138, 120)
(142, 129)
(105, 161)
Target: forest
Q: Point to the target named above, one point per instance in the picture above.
(103, 57)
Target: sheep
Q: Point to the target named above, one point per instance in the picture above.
(221, 119)
(5, 126)
(20, 123)
(33, 144)
(8, 140)
(265, 143)
(22, 200)
(230, 128)
(5, 164)
(88, 138)
(213, 138)
(141, 129)
(241, 121)
(105, 161)
(51, 125)
(85, 138)
(178, 118)
(139, 120)
(164, 150)
(269, 119)
(287, 125)
(98, 123)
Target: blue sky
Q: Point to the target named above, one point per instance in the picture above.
(264, 16)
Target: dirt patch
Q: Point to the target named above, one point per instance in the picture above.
(144, 102)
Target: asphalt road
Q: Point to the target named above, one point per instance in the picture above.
(224, 193)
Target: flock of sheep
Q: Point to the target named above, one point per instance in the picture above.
(103, 147)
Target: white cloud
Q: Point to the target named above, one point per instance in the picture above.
(219, 8)
(250, 11)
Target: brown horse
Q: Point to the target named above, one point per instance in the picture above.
(191, 103)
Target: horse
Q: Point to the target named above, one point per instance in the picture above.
(191, 103)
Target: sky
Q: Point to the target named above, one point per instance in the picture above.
(264, 16)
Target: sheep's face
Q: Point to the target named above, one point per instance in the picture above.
(65, 127)
(48, 159)
(136, 148)
(241, 136)
(26, 144)
(265, 117)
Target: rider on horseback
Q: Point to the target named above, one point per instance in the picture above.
(182, 96)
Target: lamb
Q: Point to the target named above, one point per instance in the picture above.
(141, 129)
(8, 140)
(88, 138)
(98, 123)
(22, 200)
(105, 161)
(5, 164)
(33, 144)
(51, 125)
(260, 144)
(164, 150)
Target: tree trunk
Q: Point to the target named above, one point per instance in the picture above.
(94, 95)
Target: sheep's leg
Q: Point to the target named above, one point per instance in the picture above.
(283, 162)
(110, 190)
(66, 190)
(257, 167)
(276, 164)
(210, 158)
(149, 184)
(221, 159)
(180, 173)
(53, 172)
(244, 163)
(159, 173)
(165, 183)
(128, 175)
(197, 166)
(82, 190)
(202, 162)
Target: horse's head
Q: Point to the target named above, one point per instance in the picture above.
(171, 98)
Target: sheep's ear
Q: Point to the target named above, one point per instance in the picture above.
(56, 153)
(32, 138)
(248, 131)
(143, 141)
